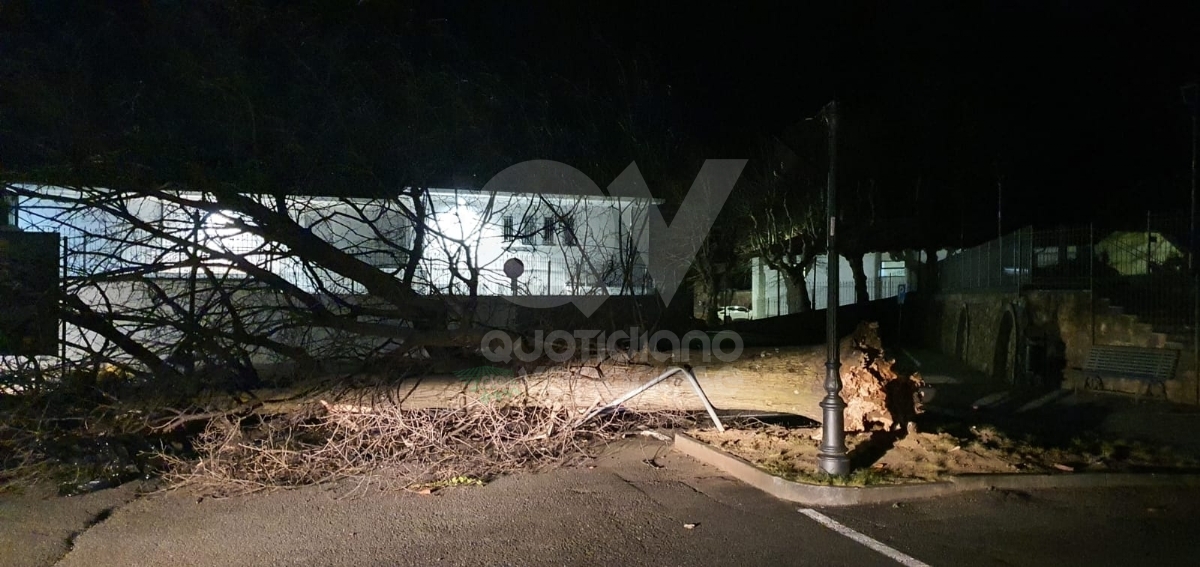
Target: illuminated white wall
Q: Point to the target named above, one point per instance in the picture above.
(465, 233)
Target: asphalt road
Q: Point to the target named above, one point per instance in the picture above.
(626, 512)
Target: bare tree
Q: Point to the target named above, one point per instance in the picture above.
(782, 206)
(225, 205)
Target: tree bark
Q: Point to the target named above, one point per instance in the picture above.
(80, 314)
(795, 275)
(929, 281)
(855, 259)
(805, 298)
(787, 380)
(418, 246)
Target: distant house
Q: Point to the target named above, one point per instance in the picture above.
(1137, 253)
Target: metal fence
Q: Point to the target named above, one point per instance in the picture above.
(543, 275)
(1143, 269)
(877, 288)
(1070, 257)
(1004, 263)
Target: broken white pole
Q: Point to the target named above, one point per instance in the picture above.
(712, 412)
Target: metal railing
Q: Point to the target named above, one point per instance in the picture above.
(1003, 263)
(1142, 269)
(544, 276)
(877, 288)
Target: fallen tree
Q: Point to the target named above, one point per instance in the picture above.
(785, 380)
(481, 423)
(477, 422)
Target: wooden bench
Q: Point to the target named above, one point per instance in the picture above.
(1150, 365)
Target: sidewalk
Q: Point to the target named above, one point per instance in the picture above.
(1071, 413)
(957, 384)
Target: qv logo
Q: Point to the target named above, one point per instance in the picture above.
(672, 247)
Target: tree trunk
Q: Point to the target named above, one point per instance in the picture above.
(929, 273)
(860, 277)
(787, 380)
(710, 299)
(417, 250)
(795, 275)
(805, 299)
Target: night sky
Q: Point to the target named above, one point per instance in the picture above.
(1076, 106)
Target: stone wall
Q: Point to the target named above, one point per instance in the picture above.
(1082, 322)
(977, 328)
(987, 330)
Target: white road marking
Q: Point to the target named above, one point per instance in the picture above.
(832, 524)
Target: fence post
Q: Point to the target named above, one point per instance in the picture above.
(992, 268)
(1092, 257)
(1147, 242)
(1000, 255)
(777, 297)
(987, 266)
(1032, 254)
(975, 271)
(1016, 250)
(1092, 275)
(62, 325)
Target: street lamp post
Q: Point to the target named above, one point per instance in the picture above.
(832, 458)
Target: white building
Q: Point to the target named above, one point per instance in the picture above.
(569, 245)
(773, 294)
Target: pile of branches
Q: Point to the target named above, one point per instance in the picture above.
(393, 447)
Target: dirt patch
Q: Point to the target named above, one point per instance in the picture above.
(899, 457)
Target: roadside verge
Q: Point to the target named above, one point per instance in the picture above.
(816, 495)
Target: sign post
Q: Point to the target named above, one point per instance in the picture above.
(513, 268)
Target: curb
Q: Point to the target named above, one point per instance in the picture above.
(814, 495)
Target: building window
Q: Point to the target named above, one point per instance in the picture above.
(568, 232)
(548, 230)
(510, 229)
(529, 231)
(891, 269)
